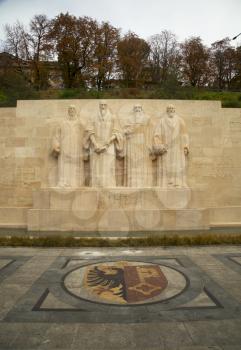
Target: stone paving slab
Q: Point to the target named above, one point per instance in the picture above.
(179, 298)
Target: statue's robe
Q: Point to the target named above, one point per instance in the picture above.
(68, 137)
(170, 135)
(138, 162)
(103, 165)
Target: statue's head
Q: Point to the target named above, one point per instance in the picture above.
(72, 113)
(137, 108)
(103, 107)
(170, 111)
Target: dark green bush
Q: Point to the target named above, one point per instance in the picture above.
(149, 241)
(13, 87)
(231, 104)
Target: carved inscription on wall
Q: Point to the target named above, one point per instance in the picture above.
(201, 121)
(235, 124)
(235, 130)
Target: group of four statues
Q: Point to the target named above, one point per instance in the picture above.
(103, 139)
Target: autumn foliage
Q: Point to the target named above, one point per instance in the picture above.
(93, 55)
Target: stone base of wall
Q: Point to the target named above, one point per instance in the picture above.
(120, 210)
(117, 220)
(13, 217)
(225, 217)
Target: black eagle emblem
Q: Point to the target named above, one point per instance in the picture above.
(108, 277)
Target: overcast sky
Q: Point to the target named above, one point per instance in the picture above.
(212, 20)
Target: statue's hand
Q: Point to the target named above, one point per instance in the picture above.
(107, 144)
(100, 149)
(56, 151)
(160, 149)
(163, 150)
(186, 151)
(129, 130)
(156, 149)
(104, 148)
(97, 149)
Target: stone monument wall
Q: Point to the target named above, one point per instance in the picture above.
(214, 161)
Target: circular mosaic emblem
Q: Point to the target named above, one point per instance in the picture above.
(125, 282)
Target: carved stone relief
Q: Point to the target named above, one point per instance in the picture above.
(136, 142)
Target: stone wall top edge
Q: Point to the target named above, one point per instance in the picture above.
(9, 112)
(8, 109)
(231, 109)
(218, 102)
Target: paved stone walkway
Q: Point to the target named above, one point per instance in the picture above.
(116, 298)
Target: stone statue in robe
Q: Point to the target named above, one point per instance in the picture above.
(171, 146)
(67, 147)
(138, 162)
(102, 142)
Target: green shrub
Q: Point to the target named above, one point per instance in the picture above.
(231, 104)
(14, 87)
(68, 94)
(3, 97)
(167, 239)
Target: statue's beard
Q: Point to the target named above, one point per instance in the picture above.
(138, 116)
(72, 117)
(104, 113)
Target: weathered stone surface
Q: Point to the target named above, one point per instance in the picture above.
(213, 165)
